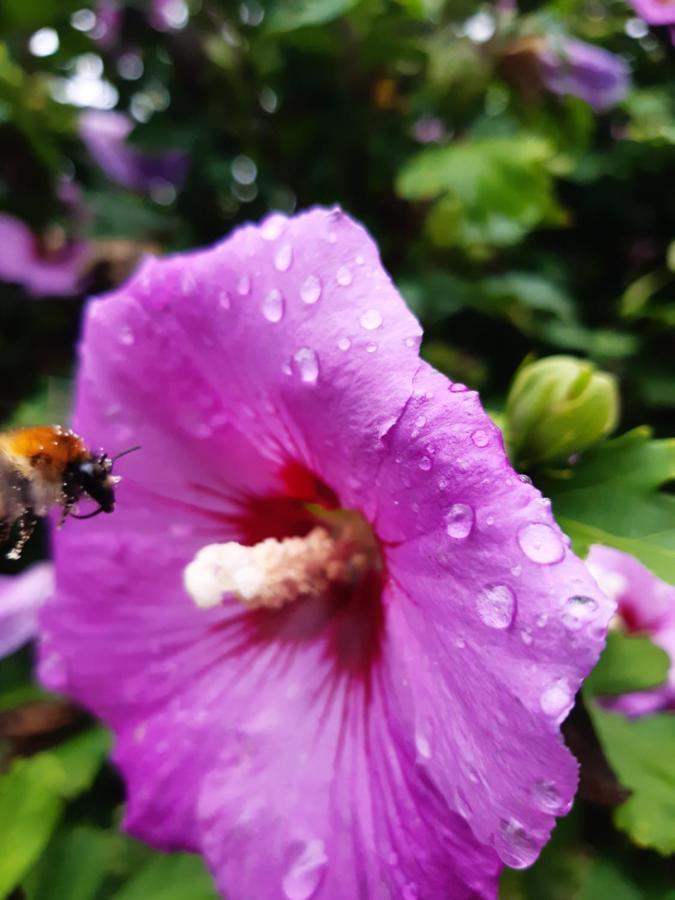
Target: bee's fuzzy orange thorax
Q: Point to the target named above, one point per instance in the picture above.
(46, 449)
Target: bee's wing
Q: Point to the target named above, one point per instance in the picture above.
(14, 492)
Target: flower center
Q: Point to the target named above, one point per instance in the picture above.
(337, 553)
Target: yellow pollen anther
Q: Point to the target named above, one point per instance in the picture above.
(273, 573)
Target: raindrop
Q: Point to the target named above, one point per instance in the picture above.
(224, 300)
(371, 347)
(521, 848)
(459, 520)
(578, 612)
(126, 336)
(420, 421)
(371, 319)
(480, 438)
(304, 876)
(187, 283)
(310, 290)
(496, 606)
(410, 342)
(344, 276)
(556, 698)
(517, 571)
(526, 636)
(541, 620)
(273, 227)
(460, 643)
(442, 484)
(273, 306)
(425, 464)
(244, 285)
(546, 796)
(283, 258)
(525, 479)
(306, 364)
(344, 344)
(422, 745)
(540, 543)
(457, 387)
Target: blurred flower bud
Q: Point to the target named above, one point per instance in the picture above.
(558, 406)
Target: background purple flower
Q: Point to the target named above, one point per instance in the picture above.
(50, 266)
(400, 737)
(595, 75)
(646, 605)
(105, 134)
(21, 596)
(656, 12)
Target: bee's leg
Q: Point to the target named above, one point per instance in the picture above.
(26, 525)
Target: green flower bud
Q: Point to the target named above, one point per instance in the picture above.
(558, 406)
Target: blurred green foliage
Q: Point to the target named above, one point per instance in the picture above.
(517, 223)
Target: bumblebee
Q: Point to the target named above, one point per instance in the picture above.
(49, 466)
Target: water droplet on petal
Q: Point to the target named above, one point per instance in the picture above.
(243, 285)
(578, 612)
(422, 745)
(306, 364)
(371, 319)
(310, 291)
(410, 342)
(187, 283)
(460, 643)
(424, 464)
(420, 421)
(344, 344)
(496, 606)
(273, 306)
(457, 387)
(126, 336)
(371, 347)
(344, 276)
(521, 849)
(526, 636)
(480, 438)
(459, 520)
(273, 227)
(547, 797)
(304, 875)
(540, 543)
(556, 699)
(283, 258)
(224, 300)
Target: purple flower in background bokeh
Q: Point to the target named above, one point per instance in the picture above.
(51, 265)
(591, 73)
(167, 14)
(105, 134)
(656, 12)
(429, 130)
(646, 605)
(21, 597)
(333, 630)
(109, 17)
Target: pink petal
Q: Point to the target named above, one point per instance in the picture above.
(495, 620)
(21, 596)
(646, 605)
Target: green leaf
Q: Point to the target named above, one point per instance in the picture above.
(612, 496)
(493, 190)
(81, 758)
(74, 866)
(641, 751)
(30, 806)
(174, 877)
(627, 664)
(287, 15)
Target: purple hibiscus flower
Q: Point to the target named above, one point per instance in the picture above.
(50, 265)
(646, 605)
(595, 75)
(332, 629)
(105, 133)
(21, 596)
